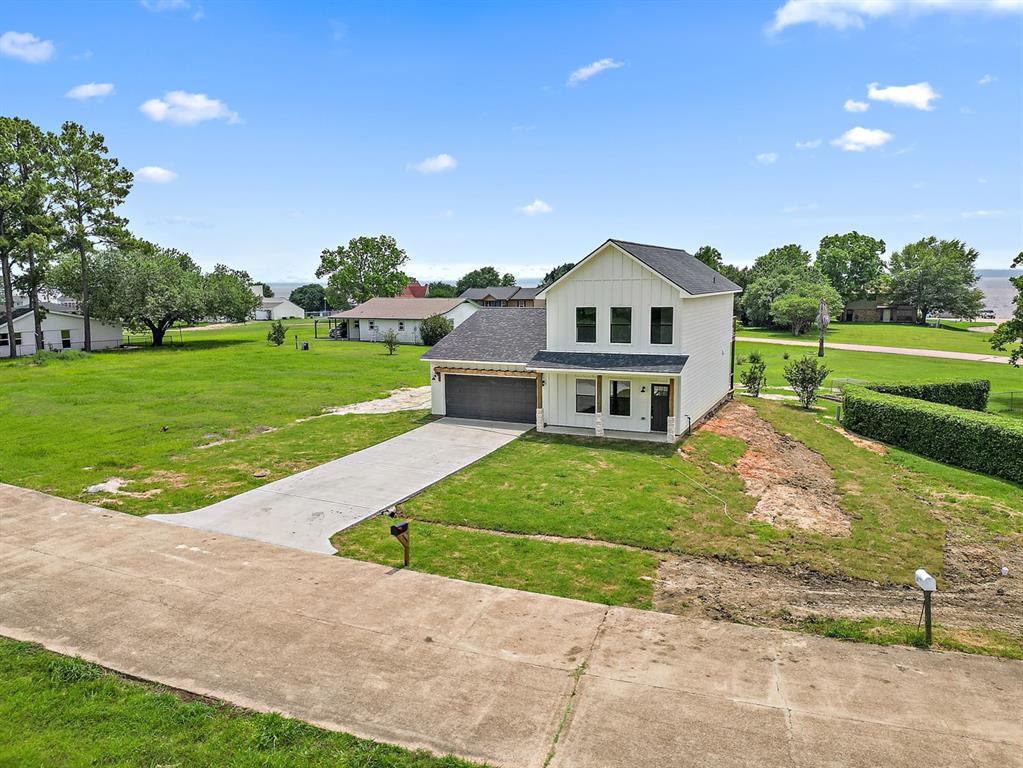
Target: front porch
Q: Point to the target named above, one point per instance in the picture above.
(609, 434)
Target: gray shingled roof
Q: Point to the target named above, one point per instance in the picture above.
(528, 293)
(400, 308)
(608, 361)
(497, 291)
(684, 270)
(512, 335)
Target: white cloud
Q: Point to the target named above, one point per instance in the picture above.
(981, 214)
(767, 158)
(156, 174)
(986, 80)
(918, 95)
(811, 144)
(90, 91)
(843, 14)
(160, 6)
(858, 139)
(536, 207)
(25, 46)
(187, 109)
(585, 73)
(436, 164)
(851, 105)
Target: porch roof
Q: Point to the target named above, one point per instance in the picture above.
(611, 362)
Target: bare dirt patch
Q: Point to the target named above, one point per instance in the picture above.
(795, 486)
(404, 399)
(114, 486)
(862, 442)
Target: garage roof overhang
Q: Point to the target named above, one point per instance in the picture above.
(607, 362)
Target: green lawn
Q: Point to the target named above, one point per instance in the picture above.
(141, 415)
(889, 335)
(63, 712)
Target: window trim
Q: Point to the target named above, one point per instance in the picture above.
(611, 397)
(670, 326)
(611, 326)
(594, 326)
(65, 340)
(594, 396)
(401, 325)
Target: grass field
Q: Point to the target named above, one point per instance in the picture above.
(890, 335)
(141, 415)
(63, 712)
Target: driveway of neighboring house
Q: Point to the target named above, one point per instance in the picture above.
(303, 511)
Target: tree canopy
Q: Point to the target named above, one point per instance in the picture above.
(786, 258)
(484, 277)
(852, 263)
(1009, 335)
(710, 256)
(557, 273)
(936, 276)
(312, 297)
(441, 291)
(366, 267)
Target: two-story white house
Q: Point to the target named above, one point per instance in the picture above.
(635, 338)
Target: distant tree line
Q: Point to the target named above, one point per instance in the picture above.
(60, 231)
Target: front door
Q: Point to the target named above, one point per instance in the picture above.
(658, 407)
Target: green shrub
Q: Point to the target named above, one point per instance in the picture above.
(805, 376)
(962, 394)
(753, 377)
(277, 333)
(435, 328)
(983, 442)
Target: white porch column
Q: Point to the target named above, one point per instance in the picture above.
(539, 402)
(671, 430)
(598, 415)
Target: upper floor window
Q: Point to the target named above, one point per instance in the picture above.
(586, 324)
(660, 325)
(621, 325)
(585, 395)
(621, 398)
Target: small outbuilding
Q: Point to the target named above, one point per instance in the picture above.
(372, 319)
(878, 310)
(278, 309)
(62, 329)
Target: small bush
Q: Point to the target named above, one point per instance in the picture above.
(390, 340)
(805, 376)
(277, 333)
(962, 394)
(741, 360)
(983, 442)
(784, 355)
(753, 377)
(435, 328)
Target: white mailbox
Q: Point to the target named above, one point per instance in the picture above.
(925, 581)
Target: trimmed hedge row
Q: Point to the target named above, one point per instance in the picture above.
(983, 442)
(962, 394)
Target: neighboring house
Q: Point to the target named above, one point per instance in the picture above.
(878, 310)
(414, 290)
(504, 296)
(62, 329)
(635, 338)
(372, 319)
(278, 309)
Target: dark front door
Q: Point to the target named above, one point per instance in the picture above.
(658, 407)
(494, 398)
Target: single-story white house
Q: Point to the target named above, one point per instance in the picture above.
(62, 329)
(278, 309)
(634, 339)
(372, 319)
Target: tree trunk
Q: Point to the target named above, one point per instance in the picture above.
(33, 300)
(5, 265)
(85, 296)
(820, 343)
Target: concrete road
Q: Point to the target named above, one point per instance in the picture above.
(884, 350)
(305, 510)
(496, 675)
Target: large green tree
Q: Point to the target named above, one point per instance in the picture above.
(229, 294)
(936, 276)
(785, 258)
(441, 291)
(1009, 335)
(484, 277)
(88, 186)
(312, 297)
(852, 263)
(710, 256)
(366, 267)
(10, 220)
(557, 273)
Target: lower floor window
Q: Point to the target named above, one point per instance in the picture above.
(65, 339)
(621, 398)
(585, 395)
(401, 325)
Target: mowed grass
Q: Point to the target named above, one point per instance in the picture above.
(63, 712)
(142, 415)
(890, 335)
(648, 497)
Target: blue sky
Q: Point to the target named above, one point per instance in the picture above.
(461, 130)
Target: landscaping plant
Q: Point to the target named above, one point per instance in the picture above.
(753, 377)
(435, 328)
(277, 333)
(390, 340)
(805, 376)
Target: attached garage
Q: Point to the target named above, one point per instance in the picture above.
(492, 398)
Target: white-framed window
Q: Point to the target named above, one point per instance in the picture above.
(585, 395)
(65, 339)
(621, 398)
(356, 323)
(621, 325)
(586, 325)
(4, 338)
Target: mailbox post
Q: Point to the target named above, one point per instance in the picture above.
(926, 582)
(400, 532)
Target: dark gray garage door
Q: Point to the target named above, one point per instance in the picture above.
(496, 398)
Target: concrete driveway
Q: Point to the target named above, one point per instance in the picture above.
(303, 511)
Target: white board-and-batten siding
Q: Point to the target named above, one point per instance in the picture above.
(707, 339)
